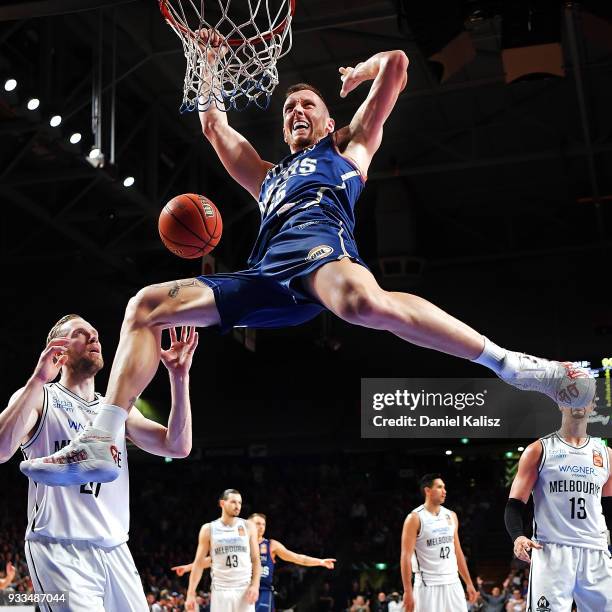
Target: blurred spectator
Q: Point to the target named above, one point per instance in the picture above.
(395, 602)
(496, 601)
(360, 605)
(516, 603)
(380, 605)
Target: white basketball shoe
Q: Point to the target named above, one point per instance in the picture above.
(568, 385)
(91, 457)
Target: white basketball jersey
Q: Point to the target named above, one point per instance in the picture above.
(231, 555)
(434, 561)
(567, 494)
(97, 513)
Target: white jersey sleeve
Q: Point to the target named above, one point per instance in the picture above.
(231, 554)
(94, 512)
(567, 494)
(434, 561)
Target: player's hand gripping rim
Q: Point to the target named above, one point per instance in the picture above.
(522, 547)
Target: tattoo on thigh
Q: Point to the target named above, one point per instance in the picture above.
(175, 286)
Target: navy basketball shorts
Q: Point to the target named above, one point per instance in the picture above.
(271, 292)
(265, 603)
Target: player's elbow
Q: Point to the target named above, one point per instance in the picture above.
(397, 60)
(181, 451)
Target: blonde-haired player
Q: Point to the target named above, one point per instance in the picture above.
(76, 536)
(231, 542)
(432, 551)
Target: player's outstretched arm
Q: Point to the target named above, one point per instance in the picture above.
(409, 536)
(181, 570)
(252, 594)
(280, 550)
(362, 137)
(197, 567)
(236, 153)
(19, 418)
(521, 489)
(175, 439)
(462, 565)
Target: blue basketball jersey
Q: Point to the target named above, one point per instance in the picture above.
(315, 180)
(267, 566)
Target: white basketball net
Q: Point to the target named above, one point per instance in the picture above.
(255, 35)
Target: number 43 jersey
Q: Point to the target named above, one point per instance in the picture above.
(231, 556)
(567, 494)
(434, 561)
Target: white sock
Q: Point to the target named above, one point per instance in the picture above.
(492, 356)
(110, 418)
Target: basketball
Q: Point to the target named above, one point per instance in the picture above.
(190, 225)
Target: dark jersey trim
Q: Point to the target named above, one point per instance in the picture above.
(42, 419)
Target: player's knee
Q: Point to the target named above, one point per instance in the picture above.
(360, 305)
(141, 306)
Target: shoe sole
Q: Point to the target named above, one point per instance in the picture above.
(69, 474)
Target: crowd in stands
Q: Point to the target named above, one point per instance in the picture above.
(347, 506)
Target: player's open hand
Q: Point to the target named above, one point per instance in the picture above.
(51, 360)
(181, 570)
(522, 546)
(351, 78)
(328, 563)
(10, 572)
(178, 357)
(252, 594)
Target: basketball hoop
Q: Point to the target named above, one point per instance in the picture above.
(241, 71)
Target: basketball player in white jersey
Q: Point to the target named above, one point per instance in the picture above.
(76, 536)
(268, 551)
(568, 474)
(432, 551)
(235, 568)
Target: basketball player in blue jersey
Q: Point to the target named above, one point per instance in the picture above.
(432, 552)
(568, 474)
(304, 261)
(76, 538)
(268, 551)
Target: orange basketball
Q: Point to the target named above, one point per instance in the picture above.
(190, 225)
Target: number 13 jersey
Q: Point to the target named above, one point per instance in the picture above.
(434, 561)
(231, 557)
(567, 494)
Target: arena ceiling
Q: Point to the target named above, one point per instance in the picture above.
(480, 185)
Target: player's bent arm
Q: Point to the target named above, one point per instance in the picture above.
(276, 548)
(461, 562)
(198, 565)
(362, 137)
(235, 152)
(19, 418)
(409, 536)
(527, 473)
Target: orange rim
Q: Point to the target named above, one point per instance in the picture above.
(232, 42)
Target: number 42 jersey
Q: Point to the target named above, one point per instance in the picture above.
(434, 561)
(567, 494)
